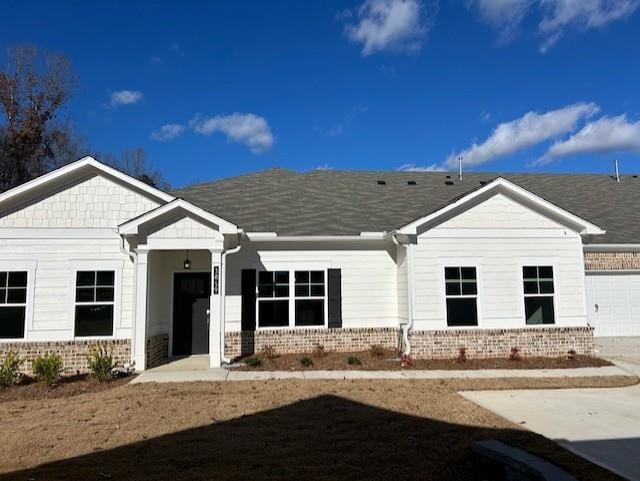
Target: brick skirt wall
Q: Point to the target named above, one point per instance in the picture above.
(73, 353)
(611, 261)
(157, 350)
(306, 340)
(443, 344)
(540, 341)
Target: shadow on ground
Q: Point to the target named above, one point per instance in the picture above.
(323, 438)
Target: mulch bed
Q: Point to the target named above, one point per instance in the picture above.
(68, 386)
(387, 360)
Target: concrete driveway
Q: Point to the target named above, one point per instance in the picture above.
(601, 425)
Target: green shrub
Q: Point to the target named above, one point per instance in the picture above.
(100, 363)
(10, 370)
(377, 351)
(353, 361)
(253, 361)
(47, 368)
(306, 361)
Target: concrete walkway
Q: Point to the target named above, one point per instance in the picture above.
(601, 425)
(174, 372)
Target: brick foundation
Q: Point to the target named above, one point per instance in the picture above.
(73, 353)
(611, 261)
(157, 350)
(305, 340)
(442, 344)
(542, 341)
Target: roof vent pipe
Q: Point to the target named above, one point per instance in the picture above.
(617, 170)
(460, 166)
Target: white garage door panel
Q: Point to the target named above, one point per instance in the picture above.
(617, 298)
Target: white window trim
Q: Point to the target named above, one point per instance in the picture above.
(457, 262)
(292, 298)
(475, 296)
(539, 263)
(96, 265)
(30, 268)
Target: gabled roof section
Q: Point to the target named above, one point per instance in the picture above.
(87, 163)
(132, 226)
(502, 185)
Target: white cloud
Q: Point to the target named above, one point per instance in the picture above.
(558, 16)
(125, 97)
(580, 14)
(335, 130)
(249, 129)
(504, 16)
(323, 167)
(167, 132)
(388, 25)
(603, 136)
(530, 129)
(422, 168)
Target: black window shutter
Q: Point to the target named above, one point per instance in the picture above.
(248, 300)
(334, 290)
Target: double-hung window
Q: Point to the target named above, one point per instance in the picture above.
(94, 303)
(309, 298)
(461, 292)
(538, 294)
(13, 304)
(291, 298)
(273, 298)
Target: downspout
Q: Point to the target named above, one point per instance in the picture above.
(223, 295)
(409, 325)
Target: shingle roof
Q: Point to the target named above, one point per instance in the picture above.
(349, 202)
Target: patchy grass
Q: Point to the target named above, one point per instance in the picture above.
(270, 430)
(386, 360)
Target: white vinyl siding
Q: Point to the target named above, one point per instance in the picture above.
(97, 202)
(54, 281)
(499, 253)
(369, 273)
(72, 229)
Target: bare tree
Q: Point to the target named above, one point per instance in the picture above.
(33, 89)
(135, 162)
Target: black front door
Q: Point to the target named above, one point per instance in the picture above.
(191, 296)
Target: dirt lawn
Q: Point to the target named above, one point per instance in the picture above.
(274, 430)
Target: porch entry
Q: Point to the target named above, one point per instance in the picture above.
(191, 303)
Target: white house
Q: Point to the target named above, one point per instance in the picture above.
(424, 261)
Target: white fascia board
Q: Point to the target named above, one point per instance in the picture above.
(586, 227)
(257, 236)
(373, 235)
(131, 227)
(77, 165)
(312, 238)
(611, 247)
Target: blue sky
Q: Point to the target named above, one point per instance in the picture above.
(536, 85)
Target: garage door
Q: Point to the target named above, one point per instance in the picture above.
(613, 304)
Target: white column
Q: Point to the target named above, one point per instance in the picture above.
(139, 344)
(215, 326)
